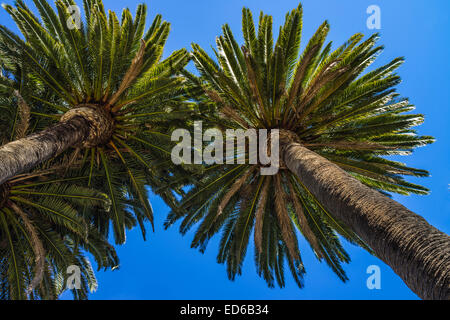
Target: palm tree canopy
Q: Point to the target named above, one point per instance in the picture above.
(112, 70)
(320, 98)
(42, 232)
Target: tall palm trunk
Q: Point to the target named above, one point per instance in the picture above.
(83, 126)
(415, 250)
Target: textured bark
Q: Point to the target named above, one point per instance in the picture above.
(24, 154)
(415, 250)
(85, 126)
(101, 124)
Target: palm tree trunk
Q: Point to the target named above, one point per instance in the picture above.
(415, 250)
(86, 126)
(24, 154)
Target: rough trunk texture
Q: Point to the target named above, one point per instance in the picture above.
(24, 154)
(101, 124)
(85, 126)
(415, 250)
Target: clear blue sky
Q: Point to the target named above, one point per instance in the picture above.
(165, 267)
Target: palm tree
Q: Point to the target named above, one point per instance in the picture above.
(112, 96)
(42, 233)
(335, 124)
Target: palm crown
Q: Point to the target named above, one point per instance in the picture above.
(109, 70)
(42, 233)
(319, 99)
